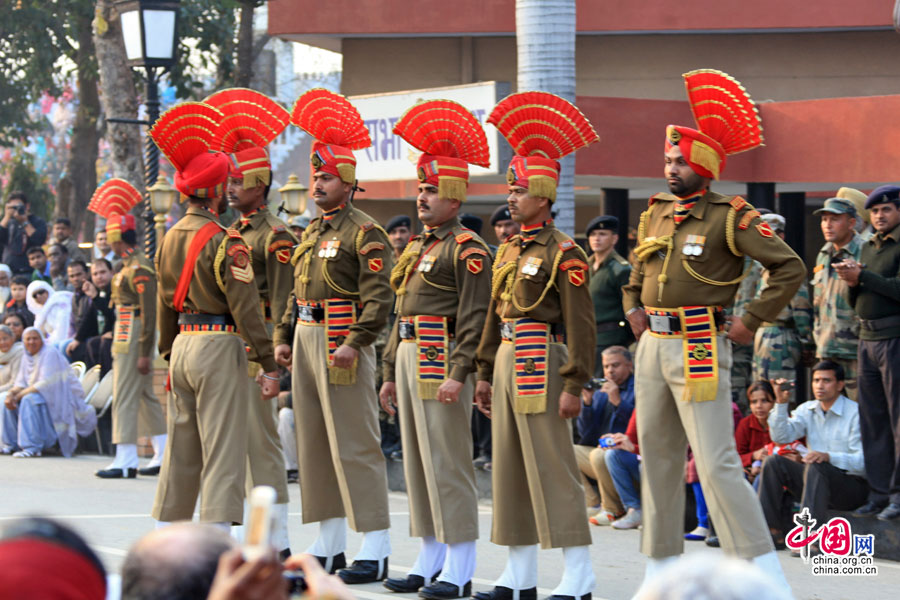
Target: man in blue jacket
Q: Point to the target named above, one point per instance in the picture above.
(606, 410)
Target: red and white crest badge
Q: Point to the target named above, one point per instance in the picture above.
(376, 264)
(576, 276)
(283, 255)
(474, 265)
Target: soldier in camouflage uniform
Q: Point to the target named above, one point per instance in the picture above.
(836, 326)
(742, 354)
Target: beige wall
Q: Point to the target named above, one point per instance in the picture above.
(771, 66)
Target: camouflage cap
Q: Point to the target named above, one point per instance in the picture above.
(838, 206)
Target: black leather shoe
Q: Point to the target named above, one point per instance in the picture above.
(404, 585)
(338, 561)
(585, 597)
(869, 509)
(712, 541)
(890, 512)
(284, 554)
(364, 571)
(444, 590)
(149, 471)
(504, 593)
(116, 473)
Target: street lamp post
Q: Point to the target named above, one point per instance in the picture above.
(148, 29)
(293, 196)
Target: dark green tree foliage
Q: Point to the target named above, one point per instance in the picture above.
(23, 178)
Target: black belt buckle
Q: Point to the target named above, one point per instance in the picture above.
(204, 319)
(310, 314)
(407, 331)
(507, 330)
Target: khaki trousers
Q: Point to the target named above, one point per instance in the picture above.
(537, 490)
(206, 450)
(133, 399)
(666, 424)
(437, 458)
(265, 458)
(592, 463)
(342, 469)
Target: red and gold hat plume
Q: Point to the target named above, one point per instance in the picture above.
(450, 138)
(186, 135)
(337, 128)
(251, 121)
(727, 121)
(113, 201)
(541, 128)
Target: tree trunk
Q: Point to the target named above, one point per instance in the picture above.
(81, 166)
(245, 45)
(119, 98)
(545, 40)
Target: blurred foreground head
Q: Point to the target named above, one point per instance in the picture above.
(707, 576)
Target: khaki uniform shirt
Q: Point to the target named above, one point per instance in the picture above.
(553, 290)
(456, 284)
(135, 285)
(356, 266)
(271, 246)
(711, 241)
(222, 284)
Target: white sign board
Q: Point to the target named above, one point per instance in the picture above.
(390, 158)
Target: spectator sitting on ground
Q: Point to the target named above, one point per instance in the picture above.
(58, 256)
(18, 301)
(62, 235)
(40, 269)
(43, 559)
(5, 279)
(752, 433)
(624, 465)
(831, 473)
(19, 229)
(51, 311)
(16, 324)
(10, 360)
(46, 404)
(606, 411)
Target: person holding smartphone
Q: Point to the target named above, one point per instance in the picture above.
(19, 231)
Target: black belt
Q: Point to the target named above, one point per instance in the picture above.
(610, 326)
(557, 332)
(310, 314)
(883, 322)
(670, 322)
(204, 319)
(134, 310)
(407, 328)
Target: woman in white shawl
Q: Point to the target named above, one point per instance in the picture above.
(46, 404)
(51, 309)
(5, 279)
(10, 360)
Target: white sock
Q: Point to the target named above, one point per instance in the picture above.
(376, 545)
(332, 540)
(161, 524)
(460, 565)
(126, 457)
(226, 527)
(521, 569)
(578, 576)
(768, 562)
(652, 569)
(430, 559)
(279, 536)
(159, 448)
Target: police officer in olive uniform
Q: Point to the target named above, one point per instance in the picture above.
(537, 349)
(691, 247)
(209, 308)
(443, 286)
(342, 298)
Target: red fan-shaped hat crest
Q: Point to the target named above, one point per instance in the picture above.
(723, 110)
(114, 198)
(330, 119)
(185, 131)
(542, 124)
(250, 119)
(445, 128)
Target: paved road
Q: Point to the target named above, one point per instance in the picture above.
(113, 514)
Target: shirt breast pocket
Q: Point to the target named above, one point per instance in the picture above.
(530, 286)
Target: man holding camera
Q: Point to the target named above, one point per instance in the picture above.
(19, 231)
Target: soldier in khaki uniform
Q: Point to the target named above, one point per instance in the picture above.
(271, 245)
(539, 293)
(691, 245)
(443, 285)
(342, 298)
(134, 296)
(208, 309)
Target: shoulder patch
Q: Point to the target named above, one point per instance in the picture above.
(818, 268)
(566, 245)
(463, 237)
(236, 249)
(278, 228)
(370, 247)
(367, 226)
(748, 216)
(764, 230)
(573, 263)
(233, 233)
(470, 251)
(738, 203)
(279, 244)
(140, 278)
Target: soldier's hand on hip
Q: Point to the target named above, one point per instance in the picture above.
(569, 405)
(483, 397)
(739, 334)
(344, 356)
(448, 392)
(143, 365)
(388, 397)
(638, 321)
(283, 355)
